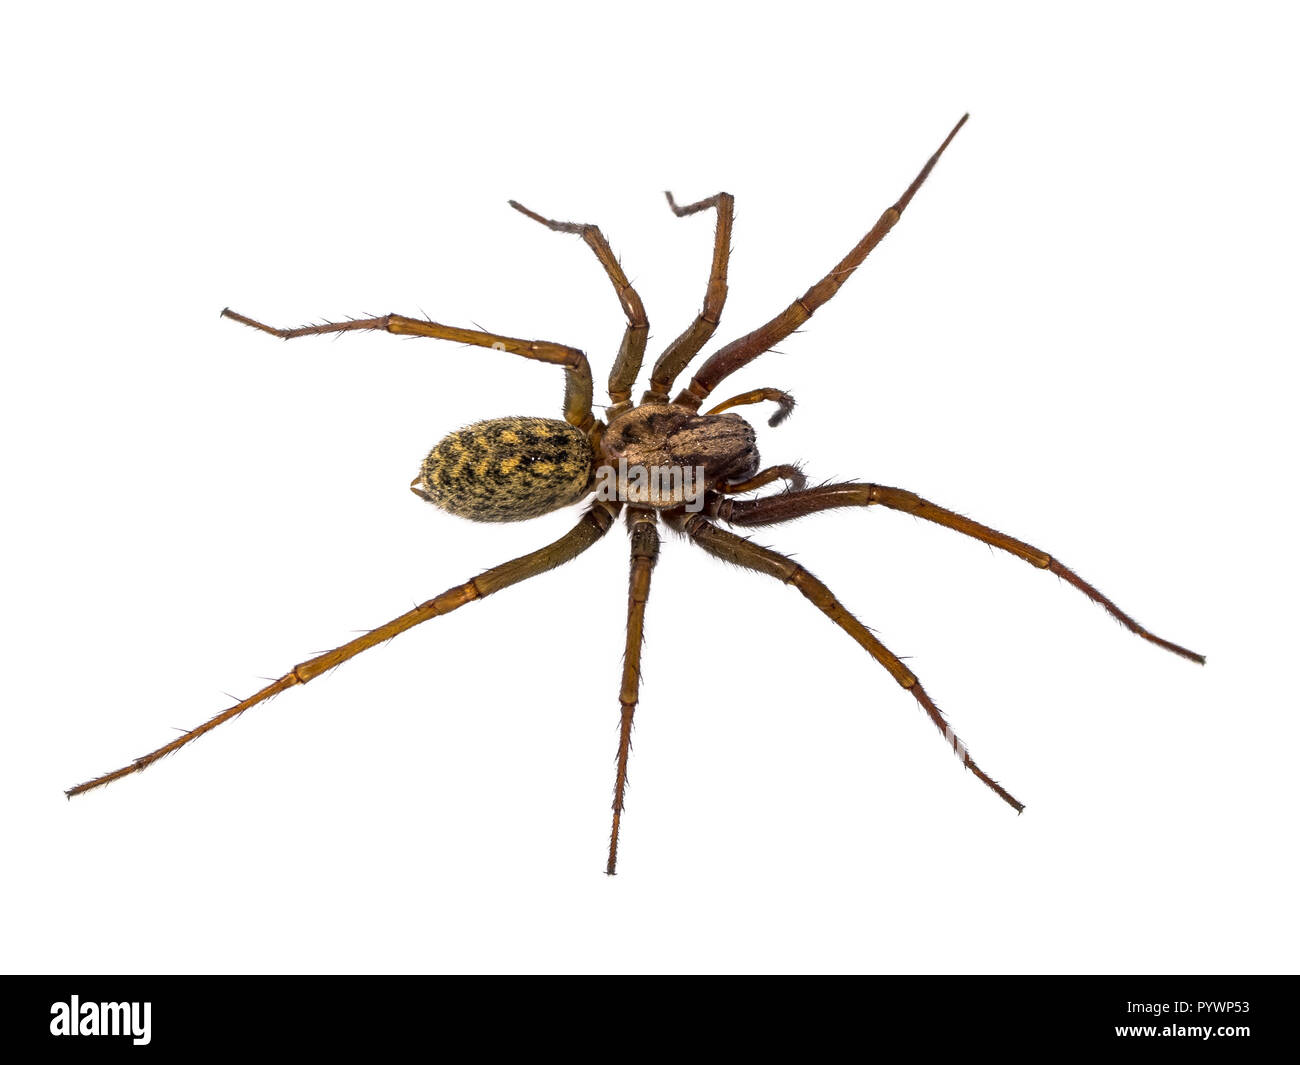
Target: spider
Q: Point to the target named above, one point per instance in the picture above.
(659, 460)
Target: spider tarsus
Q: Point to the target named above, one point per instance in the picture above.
(672, 203)
(1191, 656)
(1070, 577)
(551, 223)
(997, 788)
(682, 210)
(906, 198)
(524, 210)
(783, 410)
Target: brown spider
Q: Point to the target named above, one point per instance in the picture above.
(661, 459)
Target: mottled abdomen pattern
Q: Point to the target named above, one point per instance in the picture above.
(508, 469)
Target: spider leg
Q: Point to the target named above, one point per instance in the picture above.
(577, 371)
(790, 505)
(682, 350)
(727, 360)
(783, 400)
(645, 550)
(594, 524)
(732, 548)
(632, 350)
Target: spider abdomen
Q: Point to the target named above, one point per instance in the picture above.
(507, 469)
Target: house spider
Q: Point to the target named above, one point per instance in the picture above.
(660, 460)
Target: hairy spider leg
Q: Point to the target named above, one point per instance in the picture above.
(727, 360)
(732, 548)
(630, 353)
(594, 524)
(790, 505)
(577, 371)
(682, 350)
(645, 551)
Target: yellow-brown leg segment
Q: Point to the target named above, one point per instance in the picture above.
(682, 350)
(645, 550)
(732, 548)
(791, 505)
(727, 360)
(595, 523)
(632, 350)
(577, 371)
(783, 400)
(792, 475)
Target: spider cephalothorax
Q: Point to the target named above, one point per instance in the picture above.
(657, 445)
(661, 460)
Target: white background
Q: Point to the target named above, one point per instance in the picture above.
(1082, 332)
